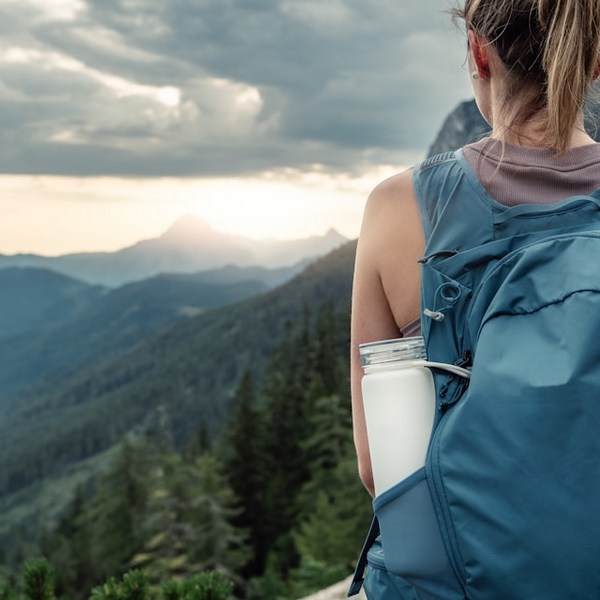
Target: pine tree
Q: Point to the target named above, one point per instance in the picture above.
(167, 528)
(308, 427)
(326, 534)
(288, 376)
(245, 468)
(7, 583)
(116, 511)
(335, 523)
(188, 521)
(219, 545)
(330, 361)
(6, 591)
(335, 509)
(330, 440)
(69, 546)
(200, 443)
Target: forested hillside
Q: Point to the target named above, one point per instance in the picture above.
(29, 298)
(185, 376)
(233, 450)
(51, 322)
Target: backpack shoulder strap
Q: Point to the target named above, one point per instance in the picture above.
(458, 218)
(456, 212)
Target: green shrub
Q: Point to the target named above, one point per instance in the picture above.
(171, 590)
(209, 585)
(38, 580)
(111, 589)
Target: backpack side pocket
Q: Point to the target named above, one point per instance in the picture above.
(412, 542)
(380, 584)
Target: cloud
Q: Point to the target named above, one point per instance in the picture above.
(220, 87)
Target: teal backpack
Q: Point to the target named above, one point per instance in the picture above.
(507, 506)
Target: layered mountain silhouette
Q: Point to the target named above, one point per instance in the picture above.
(30, 299)
(189, 245)
(50, 322)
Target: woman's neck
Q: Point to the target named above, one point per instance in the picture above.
(533, 132)
(531, 137)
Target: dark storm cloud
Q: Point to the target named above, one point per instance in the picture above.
(217, 87)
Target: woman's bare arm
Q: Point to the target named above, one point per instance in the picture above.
(386, 288)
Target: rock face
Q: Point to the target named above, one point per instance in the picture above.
(462, 126)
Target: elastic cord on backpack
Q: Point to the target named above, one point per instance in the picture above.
(450, 368)
(436, 315)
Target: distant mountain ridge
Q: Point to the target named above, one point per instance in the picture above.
(189, 245)
(50, 322)
(32, 298)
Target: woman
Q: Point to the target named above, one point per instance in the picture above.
(532, 63)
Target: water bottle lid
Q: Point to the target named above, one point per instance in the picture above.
(387, 351)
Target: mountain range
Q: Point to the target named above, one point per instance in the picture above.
(188, 246)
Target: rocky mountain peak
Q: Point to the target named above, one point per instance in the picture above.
(187, 228)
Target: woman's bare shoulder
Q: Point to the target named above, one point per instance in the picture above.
(392, 208)
(393, 188)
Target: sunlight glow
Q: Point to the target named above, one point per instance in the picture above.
(59, 215)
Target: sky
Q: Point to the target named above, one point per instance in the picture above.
(266, 118)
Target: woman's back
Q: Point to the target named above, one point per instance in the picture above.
(532, 63)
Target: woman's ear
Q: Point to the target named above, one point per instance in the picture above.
(478, 48)
(597, 70)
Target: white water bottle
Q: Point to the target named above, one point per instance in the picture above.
(399, 403)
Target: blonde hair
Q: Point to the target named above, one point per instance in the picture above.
(550, 48)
